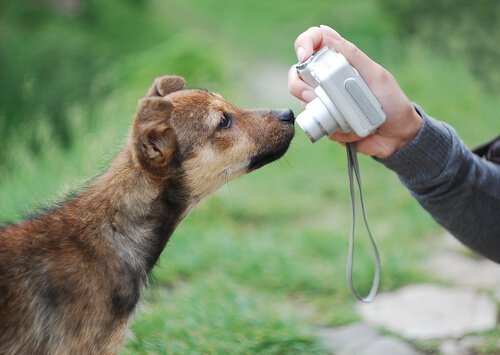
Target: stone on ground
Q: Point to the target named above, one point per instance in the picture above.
(431, 312)
(465, 271)
(362, 339)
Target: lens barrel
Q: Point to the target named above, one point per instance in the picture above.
(318, 118)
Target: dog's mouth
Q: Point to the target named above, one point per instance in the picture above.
(269, 155)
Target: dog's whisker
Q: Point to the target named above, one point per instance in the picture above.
(287, 162)
(228, 185)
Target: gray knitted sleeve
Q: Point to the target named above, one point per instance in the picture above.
(459, 190)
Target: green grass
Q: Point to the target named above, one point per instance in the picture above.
(258, 266)
(259, 322)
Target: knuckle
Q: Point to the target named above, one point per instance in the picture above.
(384, 77)
(351, 48)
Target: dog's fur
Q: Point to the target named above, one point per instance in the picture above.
(71, 277)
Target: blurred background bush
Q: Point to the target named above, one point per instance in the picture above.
(54, 54)
(457, 28)
(261, 263)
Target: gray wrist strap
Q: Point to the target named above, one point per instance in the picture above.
(352, 165)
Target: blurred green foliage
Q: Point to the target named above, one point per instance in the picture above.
(458, 28)
(50, 57)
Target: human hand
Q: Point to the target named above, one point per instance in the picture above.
(403, 121)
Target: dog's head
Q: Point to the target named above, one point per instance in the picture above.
(204, 137)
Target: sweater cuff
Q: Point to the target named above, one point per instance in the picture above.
(426, 156)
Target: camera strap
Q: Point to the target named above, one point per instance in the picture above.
(353, 170)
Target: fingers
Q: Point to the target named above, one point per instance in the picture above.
(330, 32)
(308, 42)
(342, 137)
(313, 39)
(366, 67)
(299, 88)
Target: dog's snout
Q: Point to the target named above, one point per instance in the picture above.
(285, 115)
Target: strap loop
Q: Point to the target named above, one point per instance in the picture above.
(352, 166)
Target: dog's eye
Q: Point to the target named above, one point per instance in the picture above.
(226, 120)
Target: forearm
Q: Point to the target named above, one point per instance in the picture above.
(461, 191)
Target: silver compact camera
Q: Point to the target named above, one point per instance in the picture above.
(343, 100)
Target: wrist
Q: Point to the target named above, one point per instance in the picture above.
(412, 124)
(409, 124)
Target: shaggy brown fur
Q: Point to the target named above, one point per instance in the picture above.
(71, 278)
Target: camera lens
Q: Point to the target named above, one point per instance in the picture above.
(309, 125)
(316, 120)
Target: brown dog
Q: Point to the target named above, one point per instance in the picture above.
(71, 278)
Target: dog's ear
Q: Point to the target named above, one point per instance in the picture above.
(155, 142)
(165, 85)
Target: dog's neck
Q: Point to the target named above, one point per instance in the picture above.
(142, 210)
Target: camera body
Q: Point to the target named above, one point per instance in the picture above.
(343, 100)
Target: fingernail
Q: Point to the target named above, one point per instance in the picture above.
(308, 95)
(329, 30)
(301, 53)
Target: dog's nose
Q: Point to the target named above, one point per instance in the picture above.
(286, 115)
